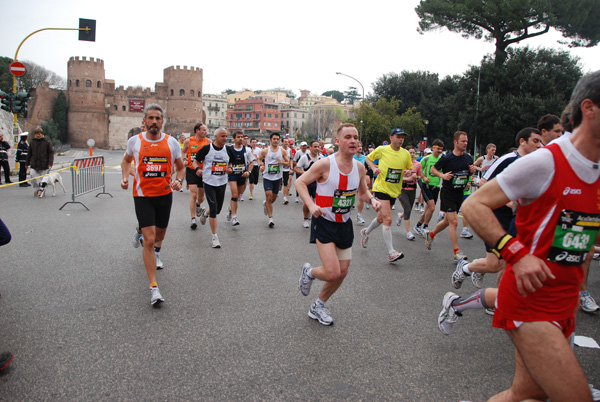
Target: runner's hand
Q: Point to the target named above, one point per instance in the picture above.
(530, 272)
(316, 211)
(125, 183)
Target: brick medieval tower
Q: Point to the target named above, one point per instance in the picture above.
(87, 117)
(184, 101)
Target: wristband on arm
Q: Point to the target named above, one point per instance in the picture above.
(510, 249)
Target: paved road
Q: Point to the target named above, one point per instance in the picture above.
(75, 311)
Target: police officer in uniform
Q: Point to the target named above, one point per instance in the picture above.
(21, 158)
(4, 148)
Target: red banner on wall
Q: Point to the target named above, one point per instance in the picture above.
(137, 105)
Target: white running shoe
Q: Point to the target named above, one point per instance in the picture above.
(203, 217)
(297, 200)
(136, 239)
(285, 201)
(305, 282)
(428, 239)
(458, 276)
(228, 217)
(477, 279)
(359, 219)
(399, 218)
(395, 256)
(265, 208)
(393, 207)
(418, 230)
(241, 198)
(410, 236)
(320, 313)
(465, 234)
(440, 217)
(216, 243)
(460, 256)
(271, 223)
(587, 302)
(193, 225)
(364, 241)
(306, 223)
(198, 210)
(234, 221)
(155, 296)
(159, 263)
(447, 316)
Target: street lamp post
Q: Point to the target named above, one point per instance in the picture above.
(362, 100)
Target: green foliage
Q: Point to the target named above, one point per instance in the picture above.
(510, 21)
(335, 95)
(59, 115)
(379, 118)
(51, 132)
(229, 91)
(511, 96)
(6, 78)
(351, 95)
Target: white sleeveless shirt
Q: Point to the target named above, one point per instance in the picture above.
(337, 194)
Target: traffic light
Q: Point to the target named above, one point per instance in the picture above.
(6, 101)
(90, 33)
(20, 103)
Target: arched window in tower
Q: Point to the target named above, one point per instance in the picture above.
(191, 92)
(182, 92)
(123, 108)
(115, 107)
(76, 83)
(98, 84)
(199, 94)
(88, 83)
(171, 92)
(70, 83)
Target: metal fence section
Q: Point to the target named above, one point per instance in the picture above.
(87, 175)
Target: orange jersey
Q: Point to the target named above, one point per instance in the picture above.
(153, 168)
(193, 147)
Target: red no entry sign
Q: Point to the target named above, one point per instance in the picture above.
(17, 68)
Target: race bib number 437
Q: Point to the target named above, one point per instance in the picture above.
(573, 237)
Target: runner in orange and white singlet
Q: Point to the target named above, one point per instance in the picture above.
(194, 176)
(154, 153)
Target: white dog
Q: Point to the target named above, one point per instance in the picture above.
(51, 180)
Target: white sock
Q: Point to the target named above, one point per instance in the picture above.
(372, 225)
(215, 236)
(387, 238)
(466, 269)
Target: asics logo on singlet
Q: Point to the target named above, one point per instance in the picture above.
(561, 256)
(569, 258)
(569, 190)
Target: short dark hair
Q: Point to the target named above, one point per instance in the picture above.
(197, 126)
(588, 87)
(565, 119)
(253, 139)
(438, 142)
(236, 132)
(313, 141)
(526, 133)
(274, 133)
(547, 122)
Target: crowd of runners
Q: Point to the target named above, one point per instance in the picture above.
(537, 208)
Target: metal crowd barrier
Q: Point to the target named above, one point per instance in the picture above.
(87, 175)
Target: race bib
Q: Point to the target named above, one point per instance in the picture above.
(274, 168)
(573, 237)
(460, 179)
(155, 166)
(393, 175)
(343, 200)
(238, 169)
(219, 168)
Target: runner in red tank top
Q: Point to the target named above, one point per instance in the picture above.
(154, 153)
(557, 224)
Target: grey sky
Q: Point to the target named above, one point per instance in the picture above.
(243, 44)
